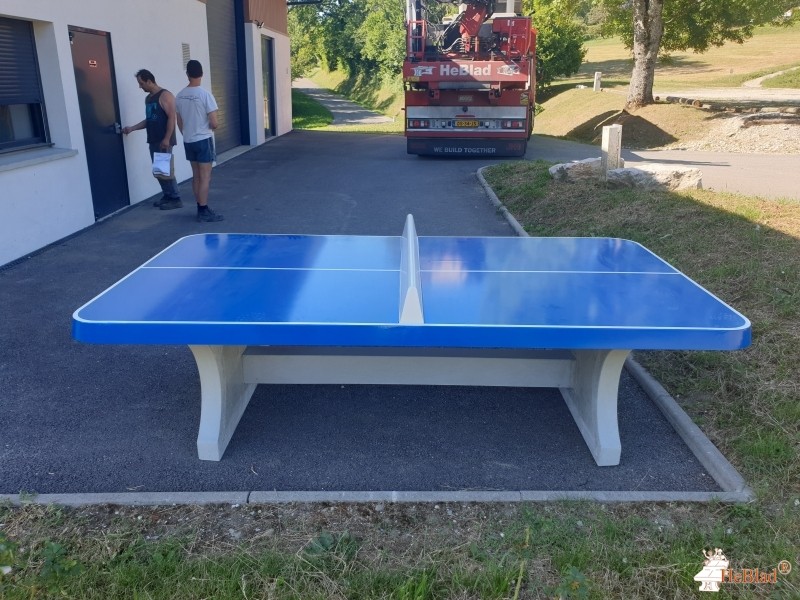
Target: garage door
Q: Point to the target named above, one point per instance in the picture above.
(224, 72)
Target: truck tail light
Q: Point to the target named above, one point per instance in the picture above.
(419, 123)
(516, 124)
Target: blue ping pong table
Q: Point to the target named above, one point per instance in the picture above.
(478, 311)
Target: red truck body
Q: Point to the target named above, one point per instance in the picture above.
(469, 84)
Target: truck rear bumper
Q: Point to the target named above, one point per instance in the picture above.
(459, 148)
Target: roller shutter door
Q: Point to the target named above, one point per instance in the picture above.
(224, 72)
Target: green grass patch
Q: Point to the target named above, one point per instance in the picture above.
(307, 113)
(394, 127)
(788, 79)
(393, 551)
(370, 92)
(771, 49)
(581, 114)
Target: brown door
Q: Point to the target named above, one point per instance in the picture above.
(223, 52)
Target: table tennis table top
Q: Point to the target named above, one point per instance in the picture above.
(347, 290)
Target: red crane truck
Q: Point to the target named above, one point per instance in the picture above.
(469, 81)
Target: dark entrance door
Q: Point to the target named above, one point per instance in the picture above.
(97, 99)
(269, 86)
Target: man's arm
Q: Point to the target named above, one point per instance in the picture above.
(212, 120)
(167, 102)
(139, 125)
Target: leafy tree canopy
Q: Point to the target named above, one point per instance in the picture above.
(382, 36)
(559, 40)
(360, 36)
(698, 24)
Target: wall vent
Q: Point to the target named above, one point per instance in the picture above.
(187, 55)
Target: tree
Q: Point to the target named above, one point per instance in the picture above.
(302, 29)
(326, 34)
(382, 36)
(339, 21)
(559, 40)
(650, 27)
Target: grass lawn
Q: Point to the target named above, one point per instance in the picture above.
(579, 113)
(307, 113)
(770, 50)
(788, 79)
(372, 94)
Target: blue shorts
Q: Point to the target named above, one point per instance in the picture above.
(201, 151)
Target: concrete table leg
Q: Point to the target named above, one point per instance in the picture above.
(592, 400)
(224, 397)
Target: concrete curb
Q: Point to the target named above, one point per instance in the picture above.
(500, 206)
(706, 452)
(362, 497)
(128, 498)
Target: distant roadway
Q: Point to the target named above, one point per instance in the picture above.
(765, 175)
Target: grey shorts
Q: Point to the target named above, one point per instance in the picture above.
(201, 151)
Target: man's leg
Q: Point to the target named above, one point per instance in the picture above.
(157, 203)
(196, 182)
(201, 181)
(202, 173)
(169, 187)
(170, 196)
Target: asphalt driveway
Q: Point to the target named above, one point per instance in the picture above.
(80, 418)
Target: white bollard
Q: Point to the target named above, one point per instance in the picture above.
(597, 75)
(612, 147)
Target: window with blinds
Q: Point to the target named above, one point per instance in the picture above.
(22, 116)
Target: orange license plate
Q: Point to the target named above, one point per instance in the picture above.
(466, 123)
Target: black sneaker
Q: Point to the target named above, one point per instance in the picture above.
(208, 216)
(170, 203)
(160, 201)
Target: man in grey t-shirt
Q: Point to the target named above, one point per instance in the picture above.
(197, 120)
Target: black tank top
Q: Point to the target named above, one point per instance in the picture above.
(156, 120)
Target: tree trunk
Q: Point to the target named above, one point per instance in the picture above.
(648, 26)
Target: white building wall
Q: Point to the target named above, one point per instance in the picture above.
(255, 89)
(255, 84)
(45, 194)
(283, 83)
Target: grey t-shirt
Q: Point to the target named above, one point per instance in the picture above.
(193, 104)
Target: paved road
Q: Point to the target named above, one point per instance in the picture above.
(344, 112)
(750, 94)
(764, 175)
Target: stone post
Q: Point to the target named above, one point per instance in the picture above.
(597, 75)
(612, 147)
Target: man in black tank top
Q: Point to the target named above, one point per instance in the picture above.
(159, 122)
